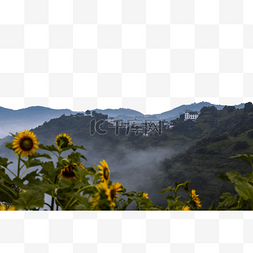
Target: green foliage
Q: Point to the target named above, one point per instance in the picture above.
(4, 162)
(245, 157)
(243, 187)
(174, 200)
(29, 200)
(227, 201)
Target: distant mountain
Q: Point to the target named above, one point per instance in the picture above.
(121, 112)
(174, 113)
(18, 120)
(169, 115)
(31, 117)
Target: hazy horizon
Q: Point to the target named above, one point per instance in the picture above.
(15, 108)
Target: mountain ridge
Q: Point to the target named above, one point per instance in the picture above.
(30, 117)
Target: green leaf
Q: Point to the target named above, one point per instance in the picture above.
(32, 163)
(37, 155)
(90, 170)
(176, 184)
(9, 145)
(78, 185)
(64, 183)
(90, 189)
(81, 174)
(122, 204)
(227, 200)
(170, 197)
(234, 176)
(79, 206)
(223, 176)
(250, 176)
(244, 156)
(172, 203)
(49, 148)
(128, 194)
(212, 207)
(48, 170)
(48, 188)
(241, 203)
(8, 187)
(75, 147)
(97, 177)
(4, 162)
(6, 195)
(170, 188)
(186, 185)
(32, 179)
(74, 157)
(18, 182)
(82, 156)
(83, 200)
(243, 188)
(5, 177)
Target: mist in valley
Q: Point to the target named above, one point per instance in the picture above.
(132, 168)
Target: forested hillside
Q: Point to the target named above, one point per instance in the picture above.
(229, 132)
(197, 151)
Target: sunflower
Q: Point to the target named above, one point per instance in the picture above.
(67, 171)
(25, 143)
(81, 166)
(104, 171)
(114, 189)
(11, 208)
(94, 201)
(186, 208)
(196, 199)
(2, 207)
(63, 140)
(145, 195)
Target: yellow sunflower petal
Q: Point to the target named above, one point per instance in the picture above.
(25, 143)
(2, 207)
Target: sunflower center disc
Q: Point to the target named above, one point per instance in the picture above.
(106, 174)
(26, 144)
(69, 172)
(113, 194)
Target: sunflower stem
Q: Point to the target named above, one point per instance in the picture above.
(45, 178)
(47, 204)
(14, 193)
(22, 166)
(18, 174)
(87, 187)
(59, 203)
(55, 154)
(52, 201)
(77, 200)
(55, 180)
(10, 171)
(56, 200)
(68, 204)
(23, 171)
(177, 189)
(73, 203)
